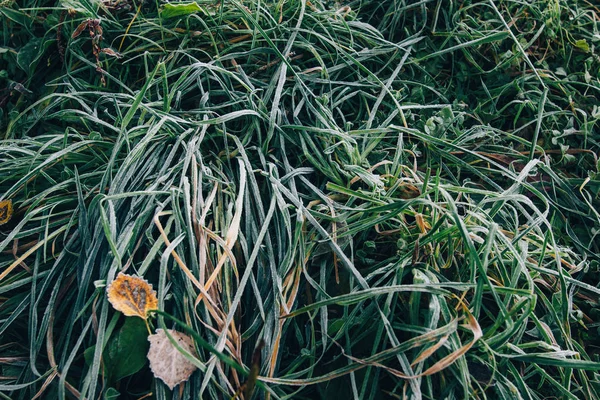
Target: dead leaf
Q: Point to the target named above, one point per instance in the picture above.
(111, 52)
(408, 191)
(80, 28)
(6, 211)
(166, 361)
(132, 295)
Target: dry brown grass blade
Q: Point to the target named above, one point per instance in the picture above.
(211, 305)
(445, 362)
(452, 357)
(201, 229)
(292, 282)
(232, 232)
(29, 252)
(429, 351)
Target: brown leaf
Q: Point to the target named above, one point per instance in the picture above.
(111, 52)
(6, 211)
(132, 295)
(166, 361)
(408, 191)
(80, 28)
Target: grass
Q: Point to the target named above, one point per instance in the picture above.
(399, 198)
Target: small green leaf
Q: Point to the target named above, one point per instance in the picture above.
(111, 394)
(16, 16)
(86, 7)
(447, 114)
(30, 54)
(582, 44)
(171, 10)
(335, 326)
(88, 355)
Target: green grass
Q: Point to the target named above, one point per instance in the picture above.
(400, 198)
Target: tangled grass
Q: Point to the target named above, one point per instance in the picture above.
(398, 198)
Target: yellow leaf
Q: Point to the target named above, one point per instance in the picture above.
(132, 295)
(6, 211)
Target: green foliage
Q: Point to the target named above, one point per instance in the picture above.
(125, 353)
(397, 197)
(170, 10)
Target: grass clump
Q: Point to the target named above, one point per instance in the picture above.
(395, 198)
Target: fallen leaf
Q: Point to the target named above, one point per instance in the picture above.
(132, 295)
(6, 211)
(166, 361)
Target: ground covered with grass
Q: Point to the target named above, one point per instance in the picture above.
(395, 199)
